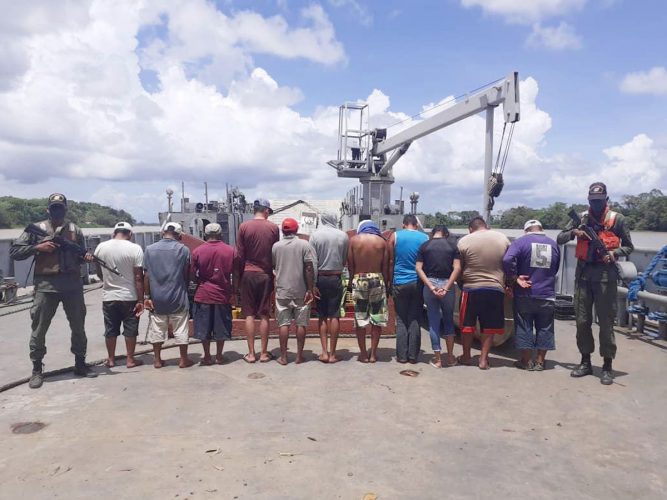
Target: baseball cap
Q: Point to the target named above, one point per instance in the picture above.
(263, 202)
(124, 226)
(57, 199)
(597, 191)
(531, 223)
(213, 228)
(290, 225)
(174, 227)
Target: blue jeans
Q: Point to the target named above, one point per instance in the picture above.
(440, 311)
(534, 324)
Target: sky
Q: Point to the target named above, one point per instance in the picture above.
(114, 101)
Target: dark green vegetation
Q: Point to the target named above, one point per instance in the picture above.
(17, 212)
(644, 212)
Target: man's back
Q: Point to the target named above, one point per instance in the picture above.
(166, 263)
(537, 256)
(254, 242)
(212, 263)
(368, 253)
(330, 246)
(289, 256)
(406, 247)
(124, 256)
(482, 259)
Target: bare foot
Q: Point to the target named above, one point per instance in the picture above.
(362, 358)
(464, 360)
(158, 363)
(484, 364)
(282, 360)
(133, 363)
(372, 359)
(206, 361)
(185, 363)
(299, 359)
(110, 363)
(324, 357)
(219, 360)
(333, 358)
(451, 360)
(266, 357)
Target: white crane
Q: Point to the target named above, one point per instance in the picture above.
(362, 152)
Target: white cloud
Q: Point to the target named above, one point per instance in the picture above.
(77, 119)
(358, 10)
(526, 11)
(561, 37)
(653, 81)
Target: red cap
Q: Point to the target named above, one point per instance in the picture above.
(290, 225)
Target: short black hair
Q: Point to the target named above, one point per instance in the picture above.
(477, 223)
(440, 228)
(410, 220)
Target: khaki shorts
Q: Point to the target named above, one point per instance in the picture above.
(158, 327)
(292, 309)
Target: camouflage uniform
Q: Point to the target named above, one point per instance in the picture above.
(596, 284)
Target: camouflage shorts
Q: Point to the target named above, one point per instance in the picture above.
(370, 300)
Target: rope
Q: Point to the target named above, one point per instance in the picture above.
(639, 283)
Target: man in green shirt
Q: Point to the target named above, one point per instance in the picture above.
(57, 279)
(596, 278)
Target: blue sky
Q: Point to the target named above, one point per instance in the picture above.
(114, 101)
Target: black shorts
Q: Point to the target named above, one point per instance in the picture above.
(120, 312)
(256, 289)
(487, 306)
(212, 321)
(331, 295)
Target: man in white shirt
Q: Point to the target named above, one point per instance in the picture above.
(123, 293)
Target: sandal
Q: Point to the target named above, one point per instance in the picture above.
(270, 357)
(245, 358)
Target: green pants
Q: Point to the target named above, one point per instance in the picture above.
(602, 294)
(42, 312)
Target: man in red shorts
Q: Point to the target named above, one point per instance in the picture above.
(483, 296)
(253, 247)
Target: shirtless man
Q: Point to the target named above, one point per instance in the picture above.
(368, 265)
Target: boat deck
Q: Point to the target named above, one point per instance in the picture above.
(331, 431)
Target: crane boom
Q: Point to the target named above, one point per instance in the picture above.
(506, 93)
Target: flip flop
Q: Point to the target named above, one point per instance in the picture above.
(245, 358)
(462, 361)
(434, 365)
(271, 357)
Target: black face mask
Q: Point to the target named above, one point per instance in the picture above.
(597, 207)
(57, 212)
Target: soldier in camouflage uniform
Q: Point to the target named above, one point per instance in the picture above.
(57, 279)
(596, 279)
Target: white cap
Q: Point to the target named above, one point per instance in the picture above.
(531, 223)
(173, 227)
(125, 226)
(213, 228)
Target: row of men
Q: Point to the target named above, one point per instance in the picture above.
(412, 268)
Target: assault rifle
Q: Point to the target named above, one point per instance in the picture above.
(67, 245)
(597, 249)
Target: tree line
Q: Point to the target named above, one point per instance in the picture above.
(17, 213)
(643, 212)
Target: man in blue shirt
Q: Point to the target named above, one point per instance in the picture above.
(533, 260)
(167, 271)
(403, 248)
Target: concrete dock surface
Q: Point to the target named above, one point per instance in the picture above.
(331, 431)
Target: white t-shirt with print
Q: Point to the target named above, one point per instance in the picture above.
(125, 255)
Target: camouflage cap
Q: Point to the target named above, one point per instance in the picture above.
(57, 199)
(597, 191)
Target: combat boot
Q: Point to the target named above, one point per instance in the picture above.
(607, 377)
(81, 369)
(37, 377)
(585, 368)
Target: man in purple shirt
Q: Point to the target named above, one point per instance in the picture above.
(533, 260)
(213, 265)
